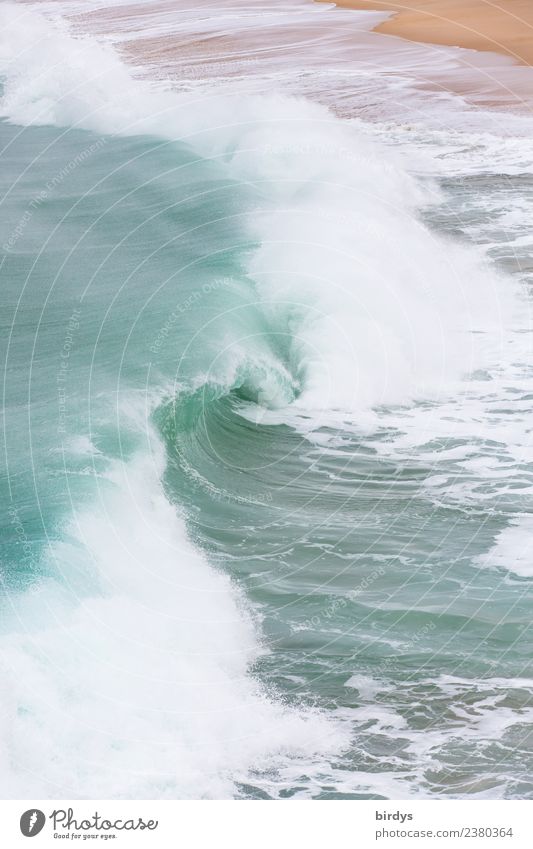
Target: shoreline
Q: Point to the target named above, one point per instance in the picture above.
(299, 37)
(472, 24)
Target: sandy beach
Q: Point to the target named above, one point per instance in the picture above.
(505, 27)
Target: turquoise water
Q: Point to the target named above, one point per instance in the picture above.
(222, 575)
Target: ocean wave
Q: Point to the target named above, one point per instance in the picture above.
(366, 319)
(137, 675)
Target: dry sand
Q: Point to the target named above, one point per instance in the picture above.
(502, 27)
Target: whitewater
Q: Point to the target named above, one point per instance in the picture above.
(267, 384)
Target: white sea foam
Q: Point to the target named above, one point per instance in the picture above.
(133, 679)
(513, 548)
(377, 308)
(157, 699)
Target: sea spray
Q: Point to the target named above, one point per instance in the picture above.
(365, 321)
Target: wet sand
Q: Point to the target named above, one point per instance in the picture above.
(345, 59)
(505, 27)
